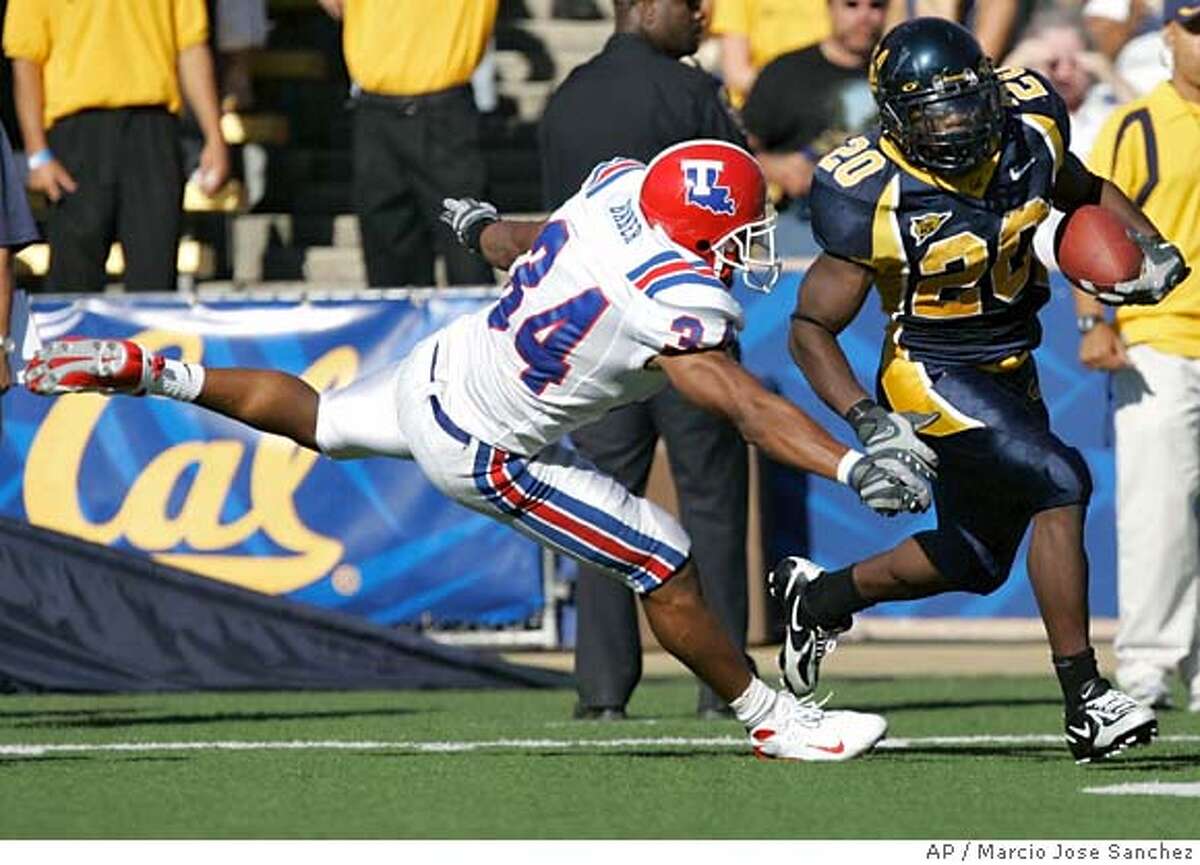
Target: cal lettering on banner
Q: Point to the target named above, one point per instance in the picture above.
(278, 468)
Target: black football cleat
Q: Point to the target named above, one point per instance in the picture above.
(805, 644)
(1107, 722)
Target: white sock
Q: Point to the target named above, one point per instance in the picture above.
(755, 703)
(179, 380)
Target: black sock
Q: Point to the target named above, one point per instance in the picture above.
(831, 600)
(1076, 672)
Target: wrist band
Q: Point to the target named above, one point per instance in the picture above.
(846, 465)
(40, 158)
(854, 414)
(474, 232)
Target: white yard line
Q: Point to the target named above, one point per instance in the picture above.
(1151, 788)
(451, 746)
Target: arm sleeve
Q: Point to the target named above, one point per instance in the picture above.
(609, 174)
(27, 31)
(1100, 159)
(842, 224)
(1043, 101)
(730, 16)
(191, 23)
(1056, 109)
(668, 328)
(679, 304)
(1122, 152)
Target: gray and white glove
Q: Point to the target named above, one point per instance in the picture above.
(886, 482)
(467, 218)
(880, 430)
(1163, 268)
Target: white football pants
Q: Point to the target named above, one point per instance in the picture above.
(555, 497)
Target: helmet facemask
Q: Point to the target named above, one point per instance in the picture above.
(750, 249)
(952, 129)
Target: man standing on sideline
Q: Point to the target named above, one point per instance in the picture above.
(16, 230)
(416, 130)
(97, 89)
(1147, 149)
(633, 99)
(789, 135)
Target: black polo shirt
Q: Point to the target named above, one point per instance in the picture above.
(628, 100)
(836, 104)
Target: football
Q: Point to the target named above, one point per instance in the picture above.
(1094, 251)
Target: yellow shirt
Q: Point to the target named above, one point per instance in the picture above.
(104, 53)
(772, 26)
(1148, 149)
(406, 47)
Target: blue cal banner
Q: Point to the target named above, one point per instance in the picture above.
(373, 538)
(198, 491)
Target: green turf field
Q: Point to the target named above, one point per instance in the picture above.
(509, 765)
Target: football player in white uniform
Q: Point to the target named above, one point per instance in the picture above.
(622, 289)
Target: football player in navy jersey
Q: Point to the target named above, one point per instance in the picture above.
(938, 211)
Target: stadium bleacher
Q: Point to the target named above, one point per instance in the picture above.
(304, 229)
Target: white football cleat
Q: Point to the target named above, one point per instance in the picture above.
(79, 365)
(799, 729)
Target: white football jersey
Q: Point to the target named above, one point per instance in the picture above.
(600, 293)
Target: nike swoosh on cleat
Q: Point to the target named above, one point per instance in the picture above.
(839, 748)
(797, 625)
(804, 661)
(1081, 732)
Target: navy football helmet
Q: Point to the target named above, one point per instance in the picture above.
(939, 99)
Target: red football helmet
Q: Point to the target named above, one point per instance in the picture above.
(710, 197)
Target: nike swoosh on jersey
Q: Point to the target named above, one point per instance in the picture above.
(1016, 173)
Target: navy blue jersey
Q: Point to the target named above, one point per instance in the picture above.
(952, 257)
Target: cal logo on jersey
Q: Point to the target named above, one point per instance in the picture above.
(926, 225)
(702, 179)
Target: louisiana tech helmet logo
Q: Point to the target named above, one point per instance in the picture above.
(702, 178)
